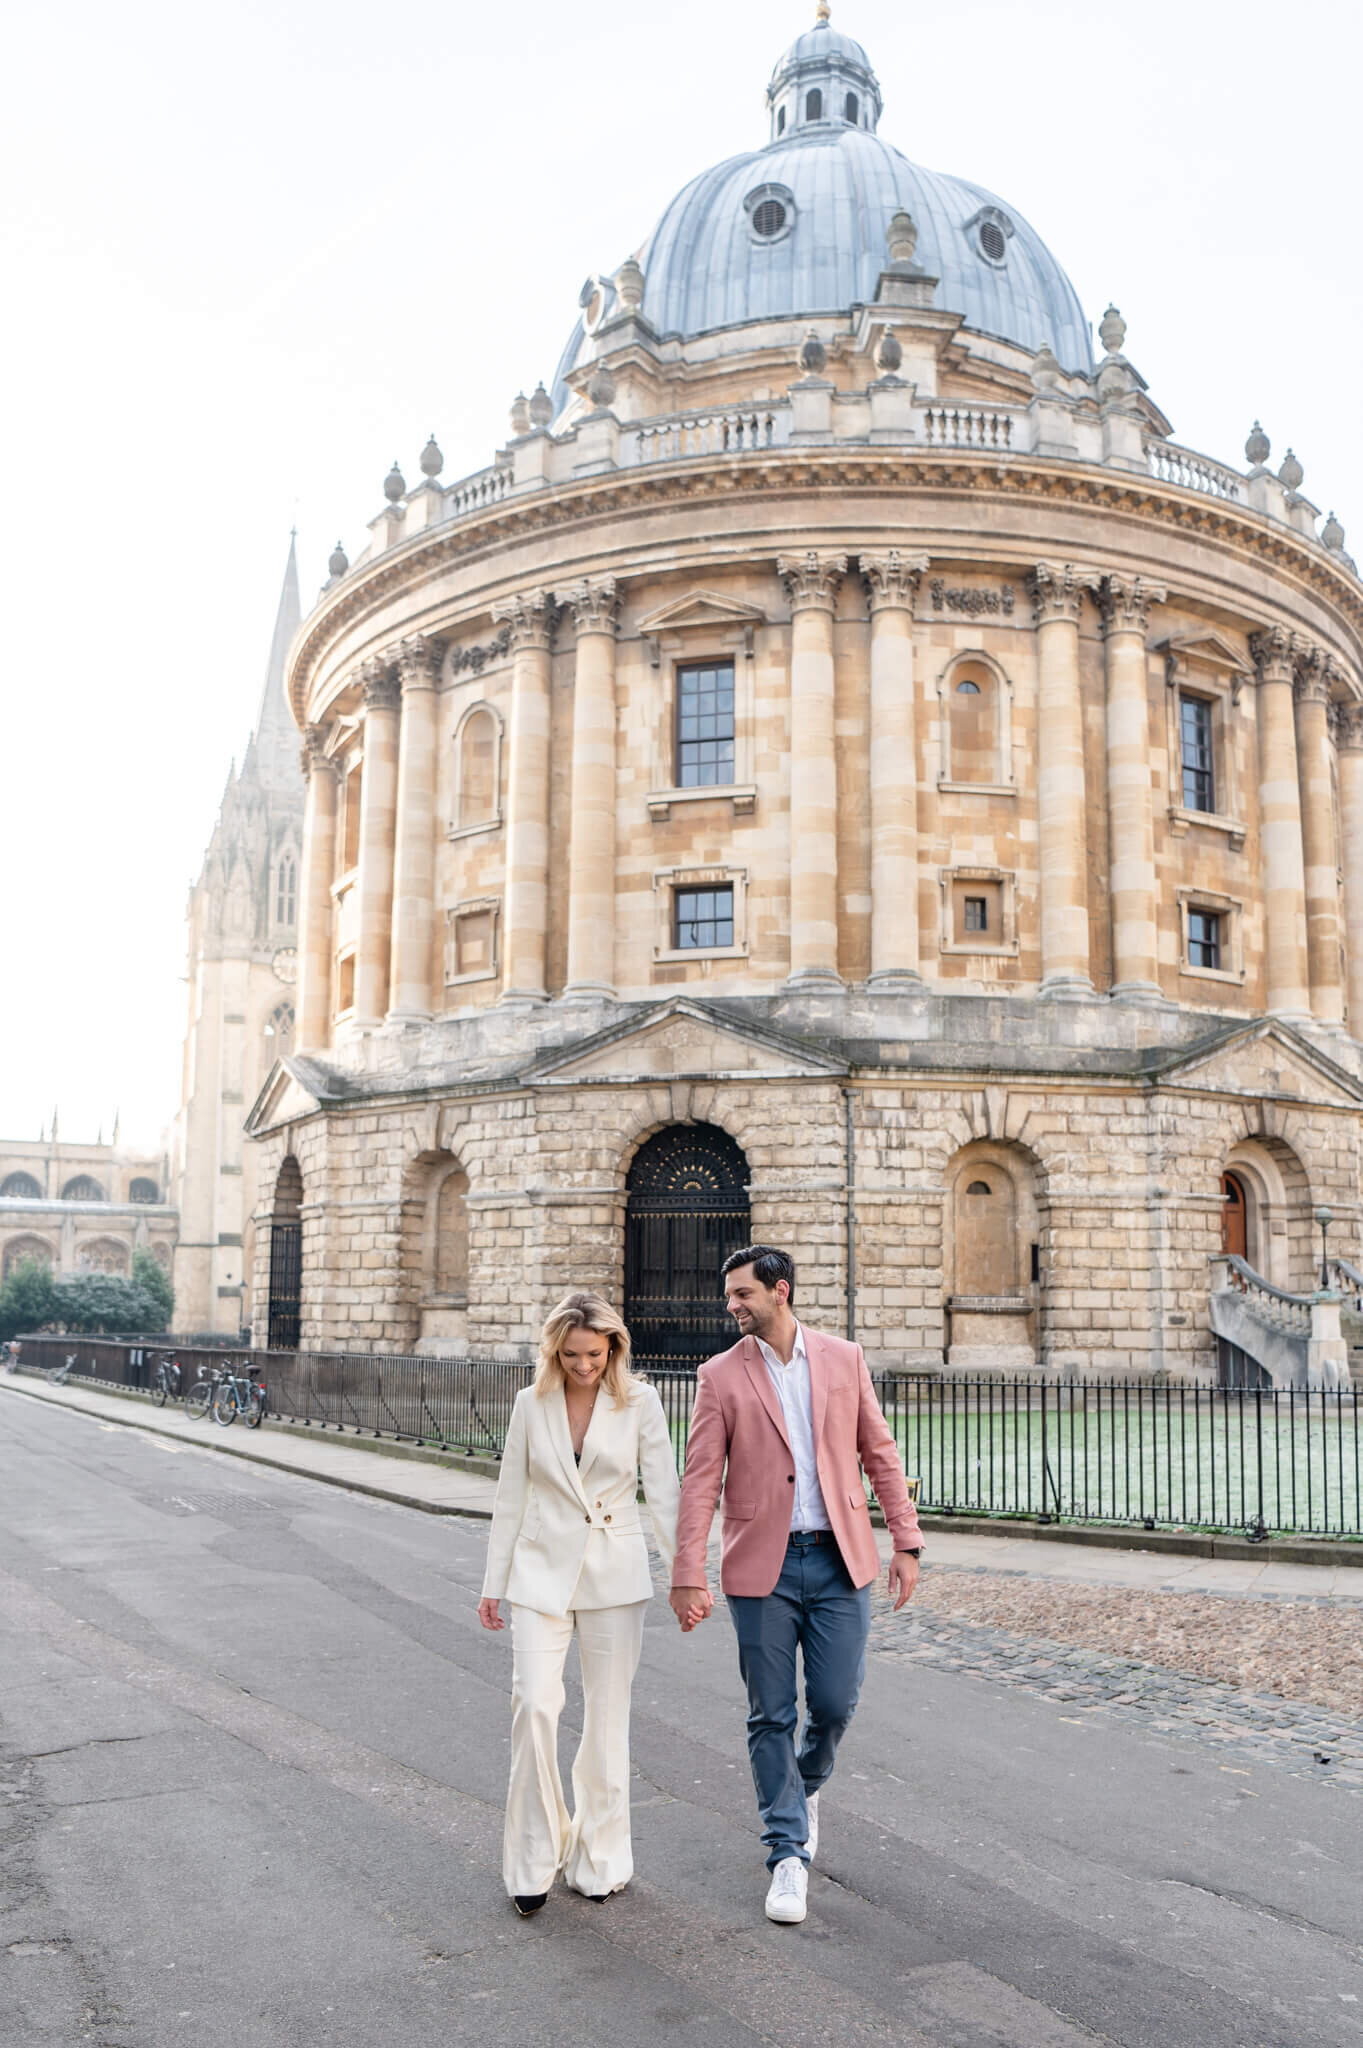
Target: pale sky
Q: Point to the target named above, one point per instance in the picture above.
(253, 252)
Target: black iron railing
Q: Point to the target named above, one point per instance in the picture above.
(1262, 1460)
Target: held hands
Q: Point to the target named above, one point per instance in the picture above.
(691, 1605)
(903, 1578)
(488, 1614)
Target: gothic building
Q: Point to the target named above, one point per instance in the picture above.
(842, 772)
(243, 935)
(82, 1208)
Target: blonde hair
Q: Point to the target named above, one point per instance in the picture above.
(585, 1311)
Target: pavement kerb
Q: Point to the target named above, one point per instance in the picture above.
(1103, 1536)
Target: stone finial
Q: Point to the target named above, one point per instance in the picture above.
(1258, 447)
(1291, 473)
(813, 355)
(338, 561)
(1045, 368)
(1112, 331)
(601, 387)
(822, 13)
(1332, 535)
(541, 406)
(629, 285)
(394, 485)
(432, 461)
(902, 237)
(520, 414)
(889, 354)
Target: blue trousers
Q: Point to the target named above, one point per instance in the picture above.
(813, 1607)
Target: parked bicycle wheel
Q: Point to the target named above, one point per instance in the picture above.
(255, 1407)
(199, 1399)
(225, 1404)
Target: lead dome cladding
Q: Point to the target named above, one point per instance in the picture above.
(798, 227)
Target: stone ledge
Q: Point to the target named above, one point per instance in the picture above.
(1170, 1542)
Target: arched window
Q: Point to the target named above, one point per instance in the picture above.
(20, 1187)
(686, 1209)
(102, 1255)
(286, 1258)
(286, 890)
(781, 121)
(814, 105)
(477, 766)
(974, 715)
(82, 1189)
(851, 109)
(279, 1032)
(143, 1191)
(451, 1262)
(20, 1250)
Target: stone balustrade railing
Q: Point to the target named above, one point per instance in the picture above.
(1272, 1304)
(1175, 465)
(732, 430)
(961, 426)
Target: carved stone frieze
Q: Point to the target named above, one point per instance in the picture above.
(892, 579)
(475, 659)
(973, 600)
(812, 580)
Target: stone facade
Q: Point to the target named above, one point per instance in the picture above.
(83, 1208)
(1036, 831)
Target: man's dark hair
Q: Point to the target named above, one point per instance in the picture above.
(768, 1264)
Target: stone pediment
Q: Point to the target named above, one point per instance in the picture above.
(684, 1040)
(1207, 647)
(701, 608)
(282, 1100)
(1266, 1060)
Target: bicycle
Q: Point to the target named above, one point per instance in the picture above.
(238, 1394)
(166, 1384)
(199, 1399)
(62, 1373)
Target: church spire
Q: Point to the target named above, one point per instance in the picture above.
(272, 756)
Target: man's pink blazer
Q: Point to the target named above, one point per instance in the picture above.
(737, 1420)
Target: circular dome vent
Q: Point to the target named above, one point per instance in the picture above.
(771, 212)
(992, 241)
(768, 219)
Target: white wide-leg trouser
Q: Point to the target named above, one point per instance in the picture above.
(592, 1848)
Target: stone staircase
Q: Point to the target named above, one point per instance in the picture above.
(1266, 1338)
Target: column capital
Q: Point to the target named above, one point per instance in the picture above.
(378, 684)
(595, 605)
(1349, 728)
(812, 580)
(1272, 653)
(1056, 591)
(892, 579)
(313, 755)
(1126, 601)
(530, 618)
(418, 659)
(1311, 671)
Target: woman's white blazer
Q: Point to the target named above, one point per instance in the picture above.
(566, 1536)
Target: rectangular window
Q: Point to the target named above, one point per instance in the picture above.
(345, 991)
(350, 829)
(473, 944)
(1204, 938)
(1195, 735)
(702, 918)
(977, 913)
(705, 725)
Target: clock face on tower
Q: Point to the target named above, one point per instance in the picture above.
(285, 964)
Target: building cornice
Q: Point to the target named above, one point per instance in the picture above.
(370, 590)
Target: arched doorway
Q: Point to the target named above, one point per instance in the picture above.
(992, 1259)
(286, 1258)
(1234, 1216)
(686, 1209)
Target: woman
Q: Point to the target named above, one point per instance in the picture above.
(567, 1553)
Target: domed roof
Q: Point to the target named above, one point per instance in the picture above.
(799, 227)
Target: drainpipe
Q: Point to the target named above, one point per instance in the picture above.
(851, 1217)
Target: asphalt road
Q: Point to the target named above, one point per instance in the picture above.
(252, 1755)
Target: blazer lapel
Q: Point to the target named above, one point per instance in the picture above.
(818, 1382)
(756, 1368)
(556, 1416)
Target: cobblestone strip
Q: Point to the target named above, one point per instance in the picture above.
(1305, 1739)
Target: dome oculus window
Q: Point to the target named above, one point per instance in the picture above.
(768, 219)
(771, 212)
(990, 231)
(597, 299)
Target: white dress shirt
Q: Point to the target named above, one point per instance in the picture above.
(792, 1391)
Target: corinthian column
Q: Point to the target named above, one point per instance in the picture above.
(1125, 605)
(892, 582)
(409, 980)
(812, 582)
(1351, 825)
(1319, 844)
(378, 820)
(591, 853)
(319, 866)
(531, 620)
(1281, 866)
(1057, 596)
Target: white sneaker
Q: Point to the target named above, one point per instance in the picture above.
(812, 1802)
(786, 1898)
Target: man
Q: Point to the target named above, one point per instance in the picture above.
(794, 1417)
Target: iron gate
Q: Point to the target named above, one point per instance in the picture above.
(286, 1258)
(686, 1210)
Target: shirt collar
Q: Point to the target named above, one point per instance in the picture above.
(799, 1351)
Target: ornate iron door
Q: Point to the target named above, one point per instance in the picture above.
(286, 1275)
(686, 1210)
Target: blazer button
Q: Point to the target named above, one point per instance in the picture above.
(588, 1520)
(607, 1518)
(790, 1476)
